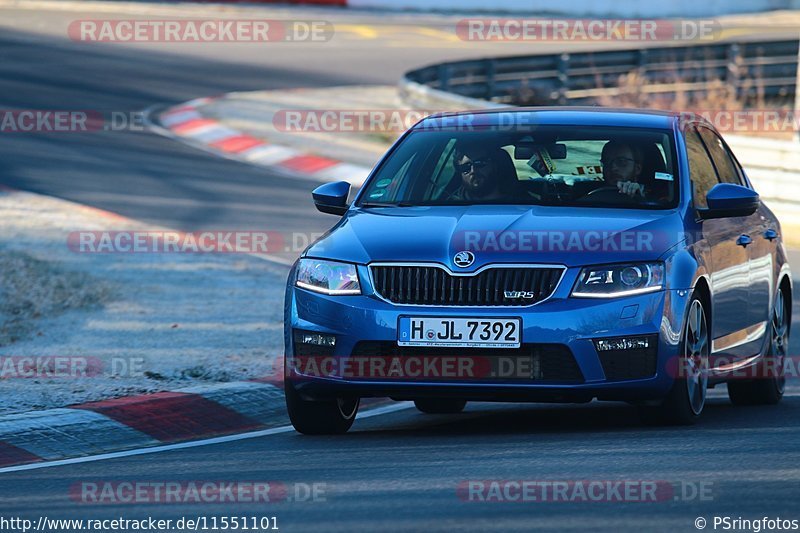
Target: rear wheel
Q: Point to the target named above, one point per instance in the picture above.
(440, 406)
(327, 417)
(687, 398)
(768, 390)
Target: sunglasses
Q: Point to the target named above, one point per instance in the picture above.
(477, 163)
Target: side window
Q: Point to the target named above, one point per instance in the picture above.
(386, 189)
(701, 169)
(719, 155)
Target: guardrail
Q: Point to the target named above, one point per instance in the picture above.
(756, 71)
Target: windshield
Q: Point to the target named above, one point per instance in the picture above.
(548, 165)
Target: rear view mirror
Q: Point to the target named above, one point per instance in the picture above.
(729, 200)
(332, 197)
(526, 150)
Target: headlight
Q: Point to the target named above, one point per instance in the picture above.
(610, 281)
(327, 277)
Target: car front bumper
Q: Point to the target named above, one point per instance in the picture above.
(574, 323)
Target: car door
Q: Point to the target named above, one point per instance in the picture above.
(728, 262)
(761, 251)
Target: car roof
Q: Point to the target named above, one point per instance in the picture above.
(555, 115)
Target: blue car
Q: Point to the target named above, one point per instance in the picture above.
(541, 255)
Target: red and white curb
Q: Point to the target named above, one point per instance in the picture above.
(140, 421)
(185, 122)
(149, 423)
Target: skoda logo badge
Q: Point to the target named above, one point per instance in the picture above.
(464, 259)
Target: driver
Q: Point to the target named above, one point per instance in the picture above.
(622, 168)
(476, 168)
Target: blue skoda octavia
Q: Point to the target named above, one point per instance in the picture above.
(541, 255)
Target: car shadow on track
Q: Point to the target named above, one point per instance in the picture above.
(596, 417)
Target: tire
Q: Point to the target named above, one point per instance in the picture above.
(440, 406)
(329, 417)
(768, 390)
(686, 399)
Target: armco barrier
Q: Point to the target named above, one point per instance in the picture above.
(752, 69)
(574, 8)
(588, 8)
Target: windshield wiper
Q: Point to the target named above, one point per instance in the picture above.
(386, 204)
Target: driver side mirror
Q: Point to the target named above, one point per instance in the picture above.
(729, 200)
(331, 198)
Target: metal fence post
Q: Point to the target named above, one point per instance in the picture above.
(733, 76)
(490, 69)
(444, 77)
(797, 100)
(563, 78)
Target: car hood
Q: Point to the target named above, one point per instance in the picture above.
(570, 236)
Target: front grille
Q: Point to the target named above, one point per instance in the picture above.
(433, 285)
(544, 362)
(619, 365)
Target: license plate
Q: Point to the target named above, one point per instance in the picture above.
(459, 332)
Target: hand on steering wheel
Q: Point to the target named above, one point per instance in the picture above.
(630, 188)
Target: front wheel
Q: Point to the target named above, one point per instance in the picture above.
(327, 417)
(768, 388)
(440, 406)
(687, 398)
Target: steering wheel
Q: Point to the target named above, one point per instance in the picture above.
(606, 193)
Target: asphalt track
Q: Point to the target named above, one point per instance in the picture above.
(144, 176)
(396, 472)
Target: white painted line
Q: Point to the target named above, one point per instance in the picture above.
(193, 444)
